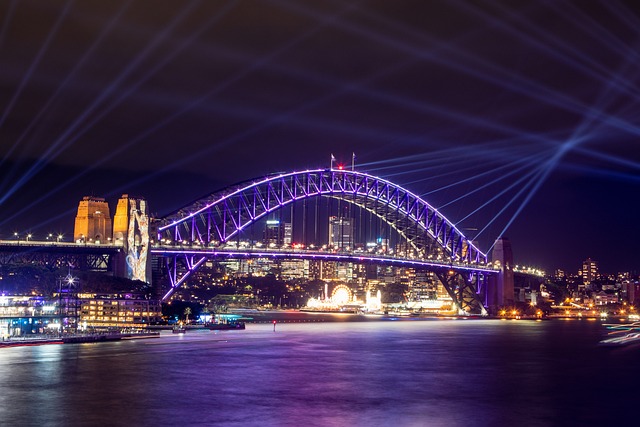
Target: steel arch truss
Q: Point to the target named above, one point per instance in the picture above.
(467, 289)
(223, 215)
(84, 258)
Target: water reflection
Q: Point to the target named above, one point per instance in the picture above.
(368, 373)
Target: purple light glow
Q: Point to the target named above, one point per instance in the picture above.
(315, 180)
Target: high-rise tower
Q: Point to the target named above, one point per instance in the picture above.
(589, 271)
(340, 232)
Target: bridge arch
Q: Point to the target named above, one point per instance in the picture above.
(201, 227)
(222, 215)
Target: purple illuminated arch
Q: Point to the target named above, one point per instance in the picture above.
(220, 216)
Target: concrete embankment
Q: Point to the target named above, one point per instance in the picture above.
(76, 339)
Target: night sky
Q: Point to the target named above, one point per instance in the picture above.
(513, 118)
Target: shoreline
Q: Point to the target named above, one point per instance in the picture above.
(253, 316)
(76, 339)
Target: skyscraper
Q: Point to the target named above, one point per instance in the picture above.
(277, 233)
(589, 271)
(272, 233)
(340, 232)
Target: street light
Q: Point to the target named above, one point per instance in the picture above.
(28, 236)
(59, 238)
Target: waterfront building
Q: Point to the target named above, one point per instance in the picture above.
(603, 298)
(93, 221)
(23, 315)
(26, 314)
(117, 311)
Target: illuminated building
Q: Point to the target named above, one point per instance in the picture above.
(633, 292)
(288, 233)
(121, 311)
(23, 315)
(294, 269)
(340, 232)
(277, 233)
(322, 270)
(603, 298)
(93, 221)
(589, 271)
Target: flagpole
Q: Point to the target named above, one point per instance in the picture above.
(353, 162)
(333, 159)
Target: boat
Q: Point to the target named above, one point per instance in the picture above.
(619, 341)
(225, 326)
(225, 322)
(179, 329)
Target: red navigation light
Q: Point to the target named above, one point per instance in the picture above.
(274, 322)
(340, 167)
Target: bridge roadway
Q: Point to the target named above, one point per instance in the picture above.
(99, 257)
(85, 256)
(32, 246)
(295, 253)
(57, 247)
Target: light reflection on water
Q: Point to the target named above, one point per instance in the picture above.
(404, 373)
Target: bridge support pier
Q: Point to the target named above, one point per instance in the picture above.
(500, 292)
(465, 290)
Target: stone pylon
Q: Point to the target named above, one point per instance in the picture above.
(500, 292)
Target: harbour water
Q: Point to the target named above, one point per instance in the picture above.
(403, 372)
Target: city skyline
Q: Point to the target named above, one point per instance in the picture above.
(513, 121)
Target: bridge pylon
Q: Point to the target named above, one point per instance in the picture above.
(131, 231)
(501, 286)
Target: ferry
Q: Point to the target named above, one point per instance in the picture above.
(225, 322)
(225, 326)
(179, 329)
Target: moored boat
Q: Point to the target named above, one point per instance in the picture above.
(225, 326)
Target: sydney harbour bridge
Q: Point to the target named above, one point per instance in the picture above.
(322, 215)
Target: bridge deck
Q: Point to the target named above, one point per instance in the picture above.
(357, 257)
